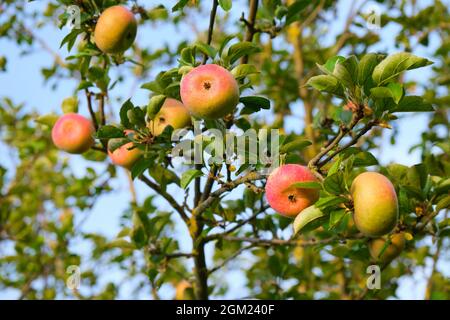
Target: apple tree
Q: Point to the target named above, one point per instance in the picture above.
(241, 71)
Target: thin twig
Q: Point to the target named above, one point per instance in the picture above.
(166, 196)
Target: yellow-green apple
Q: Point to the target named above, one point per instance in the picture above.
(392, 250)
(184, 291)
(126, 155)
(173, 113)
(375, 204)
(115, 30)
(285, 198)
(209, 91)
(73, 133)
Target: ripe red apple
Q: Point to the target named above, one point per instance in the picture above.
(73, 133)
(173, 113)
(124, 156)
(287, 200)
(209, 91)
(115, 30)
(375, 204)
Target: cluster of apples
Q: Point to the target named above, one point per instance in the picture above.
(207, 92)
(374, 201)
(211, 92)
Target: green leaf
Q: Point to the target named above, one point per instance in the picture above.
(295, 9)
(305, 217)
(396, 91)
(153, 86)
(188, 176)
(331, 63)
(413, 104)
(335, 217)
(127, 105)
(243, 70)
(84, 85)
(326, 83)
(254, 104)
(140, 166)
(154, 106)
(179, 5)
(366, 66)
(364, 159)
(121, 243)
(109, 132)
(70, 105)
(444, 203)
(395, 64)
(306, 185)
(334, 184)
(296, 145)
(225, 4)
(206, 49)
(343, 71)
(136, 116)
(47, 119)
(116, 143)
(238, 50)
(331, 201)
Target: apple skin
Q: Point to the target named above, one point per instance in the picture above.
(391, 252)
(73, 133)
(122, 156)
(173, 113)
(375, 204)
(115, 30)
(209, 91)
(284, 199)
(184, 291)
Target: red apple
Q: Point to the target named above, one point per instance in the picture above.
(209, 91)
(125, 156)
(73, 133)
(287, 200)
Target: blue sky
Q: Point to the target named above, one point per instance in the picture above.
(24, 84)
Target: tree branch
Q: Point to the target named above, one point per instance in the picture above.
(166, 196)
(250, 26)
(236, 227)
(229, 258)
(252, 176)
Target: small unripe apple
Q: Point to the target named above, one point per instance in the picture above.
(285, 199)
(115, 30)
(375, 204)
(73, 133)
(126, 155)
(392, 250)
(184, 291)
(173, 113)
(209, 91)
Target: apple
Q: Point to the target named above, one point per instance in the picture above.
(209, 91)
(173, 113)
(73, 133)
(287, 200)
(184, 291)
(115, 30)
(392, 250)
(126, 155)
(375, 204)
